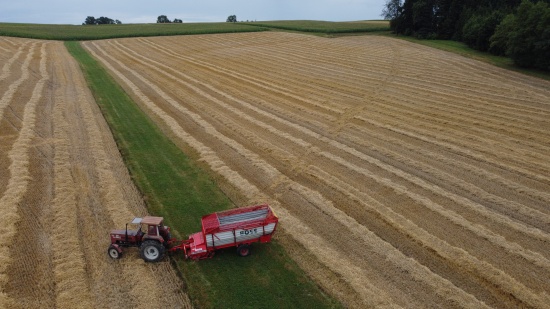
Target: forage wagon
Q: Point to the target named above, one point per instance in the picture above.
(238, 228)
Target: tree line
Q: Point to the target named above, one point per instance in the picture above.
(163, 19)
(519, 29)
(90, 20)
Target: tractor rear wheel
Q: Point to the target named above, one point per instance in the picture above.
(243, 250)
(113, 253)
(151, 251)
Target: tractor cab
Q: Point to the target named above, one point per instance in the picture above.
(155, 229)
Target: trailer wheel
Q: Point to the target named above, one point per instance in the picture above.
(113, 253)
(151, 251)
(243, 250)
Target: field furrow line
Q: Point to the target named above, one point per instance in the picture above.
(322, 107)
(449, 145)
(257, 82)
(266, 72)
(233, 76)
(514, 141)
(507, 104)
(300, 82)
(445, 177)
(301, 86)
(454, 255)
(365, 65)
(430, 61)
(8, 95)
(72, 290)
(480, 72)
(500, 136)
(492, 94)
(450, 142)
(359, 83)
(531, 231)
(482, 232)
(6, 50)
(452, 216)
(295, 53)
(410, 147)
(5, 39)
(367, 290)
(20, 176)
(6, 68)
(475, 115)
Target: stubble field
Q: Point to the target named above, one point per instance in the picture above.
(403, 176)
(63, 186)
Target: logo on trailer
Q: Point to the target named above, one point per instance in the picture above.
(249, 232)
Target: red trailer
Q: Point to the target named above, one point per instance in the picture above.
(238, 227)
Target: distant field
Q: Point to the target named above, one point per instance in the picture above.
(79, 32)
(326, 26)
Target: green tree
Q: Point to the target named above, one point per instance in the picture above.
(392, 9)
(423, 18)
(232, 19)
(105, 21)
(163, 19)
(529, 43)
(90, 20)
(499, 41)
(479, 29)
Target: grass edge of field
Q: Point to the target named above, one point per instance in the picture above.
(144, 169)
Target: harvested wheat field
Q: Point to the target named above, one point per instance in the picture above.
(404, 176)
(63, 186)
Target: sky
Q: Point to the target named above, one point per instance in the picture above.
(142, 11)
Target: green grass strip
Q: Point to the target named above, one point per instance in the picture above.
(181, 191)
(98, 32)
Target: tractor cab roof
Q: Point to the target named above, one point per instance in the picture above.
(149, 220)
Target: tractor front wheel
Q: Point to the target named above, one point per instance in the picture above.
(151, 251)
(243, 250)
(113, 253)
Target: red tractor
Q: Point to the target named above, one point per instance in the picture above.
(148, 234)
